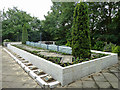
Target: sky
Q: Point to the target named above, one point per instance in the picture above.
(37, 8)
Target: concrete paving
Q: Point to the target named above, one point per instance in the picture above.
(13, 76)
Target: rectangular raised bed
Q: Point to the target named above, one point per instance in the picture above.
(66, 75)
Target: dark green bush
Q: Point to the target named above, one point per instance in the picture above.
(60, 42)
(99, 45)
(109, 47)
(24, 34)
(81, 44)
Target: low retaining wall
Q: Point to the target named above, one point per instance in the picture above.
(49, 67)
(5, 43)
(68, 74)
(63, 49)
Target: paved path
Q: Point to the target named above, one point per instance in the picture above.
(107, 78)
(13, 76)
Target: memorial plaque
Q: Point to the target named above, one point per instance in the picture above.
(25, 61)
(28, 64)
(33, 68)
(48, 78)
(39, 72)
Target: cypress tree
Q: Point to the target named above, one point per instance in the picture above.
(24, 34)
(81, 44)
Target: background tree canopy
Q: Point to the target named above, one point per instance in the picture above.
(104, 23)
(12, 25)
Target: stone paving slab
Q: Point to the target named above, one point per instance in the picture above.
(77, 84)
(66, 59)
(103, 84)
(110, 77)
(87, 78)
(89, 84)
(99, 78)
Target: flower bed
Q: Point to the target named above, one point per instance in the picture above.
(57, 60)
(66, 75)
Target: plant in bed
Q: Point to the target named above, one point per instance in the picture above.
(81, 44)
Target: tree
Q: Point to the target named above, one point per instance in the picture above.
(58, 22)
(103, 22)
(24, 34)
(12, 25)
(81, 44)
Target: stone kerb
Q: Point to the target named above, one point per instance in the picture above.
(65, 49)
(53, 47)
(44, 46)
(66, 75)
(27, 42)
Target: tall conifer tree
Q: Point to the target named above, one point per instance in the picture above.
(81, 43)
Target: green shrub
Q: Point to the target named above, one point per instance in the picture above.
(24, 34)
(68, 43)
(109, 47)
(116, 50)
(6, 40)
(99, 45)
(35, 52)
(81, 43)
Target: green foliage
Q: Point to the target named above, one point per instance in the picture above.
(105, 22)
(58, 22)
(81, 44)
(35, 52)
(109, 47)
(69, 43)
(6, 40)
(57, 26)
(12, 25)
(24, 34)
(99, 45)
(116, 50)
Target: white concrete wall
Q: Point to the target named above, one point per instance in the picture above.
(71, 74)
(5, 43)
(68, 74)
(47, 66)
